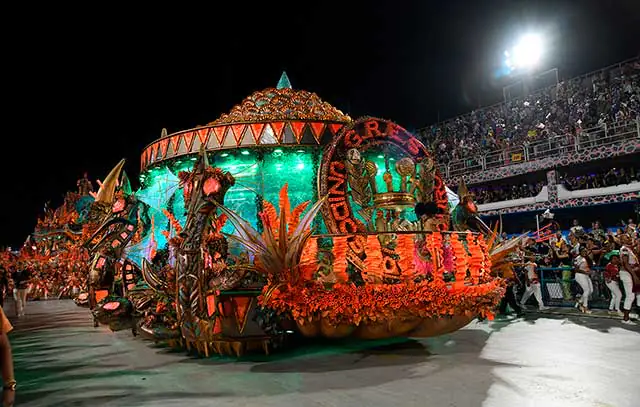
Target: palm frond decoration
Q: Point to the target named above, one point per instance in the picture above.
(278, 249)
(500, 253)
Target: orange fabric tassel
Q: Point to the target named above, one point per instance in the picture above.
(340, 258)
(373, 261)
(477, 258)
(486, 266)
(405, 249)
(461, 260)
(434, 244)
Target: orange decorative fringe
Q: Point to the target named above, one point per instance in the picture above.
(486, 265)
(285, 206)
(405, 249)
(294, 219)
(461, 260)
(309, 260)
(434, 245)
(476, 261)
(153, 244)
(173, 221)
(270, 213)
(351, 304)
(373, 261)
(340, 258)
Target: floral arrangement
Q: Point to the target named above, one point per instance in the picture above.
(351, 304)
(278, 250)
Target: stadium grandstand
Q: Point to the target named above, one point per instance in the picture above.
(570, 148)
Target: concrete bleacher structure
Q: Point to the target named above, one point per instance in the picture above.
(617, 137)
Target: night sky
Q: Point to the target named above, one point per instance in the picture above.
(85, 88)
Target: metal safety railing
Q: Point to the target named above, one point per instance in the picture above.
(555, 146)
(560, 289)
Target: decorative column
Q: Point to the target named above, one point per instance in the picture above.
(552, 187)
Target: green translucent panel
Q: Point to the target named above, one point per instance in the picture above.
(241, 198)
(183, 164)
(292, 167)
(254, 178)
(178, 209)
(158, 188)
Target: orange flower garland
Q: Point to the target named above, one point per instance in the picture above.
(350, 304)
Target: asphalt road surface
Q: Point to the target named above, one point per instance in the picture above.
(62, 361)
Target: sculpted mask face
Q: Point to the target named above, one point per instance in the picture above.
(354, 156)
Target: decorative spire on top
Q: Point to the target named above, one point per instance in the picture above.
(284, 81)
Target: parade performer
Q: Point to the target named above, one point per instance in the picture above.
(20, 279)
(583, 271)
(510, 296)
(611, 277)
(533, 286)
(629, 271)
(84, 185)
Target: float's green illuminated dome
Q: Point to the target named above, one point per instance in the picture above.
(274, 136)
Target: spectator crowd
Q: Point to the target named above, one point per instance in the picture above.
(602, 178)
(559, 112)
(505, 192)
(516, 190)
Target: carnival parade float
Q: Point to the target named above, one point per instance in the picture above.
(287, 215)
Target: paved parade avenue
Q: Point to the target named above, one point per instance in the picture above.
(550, 360)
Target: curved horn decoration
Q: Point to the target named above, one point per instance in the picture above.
(151, 277)
(107, 190)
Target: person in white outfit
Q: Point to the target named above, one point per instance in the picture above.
(629, 265)
(611, 277)
(533, 286)
(583, 272)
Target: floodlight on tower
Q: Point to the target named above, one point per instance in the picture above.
(525, 54)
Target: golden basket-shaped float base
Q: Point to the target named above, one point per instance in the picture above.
(396, 327)
(394, 200)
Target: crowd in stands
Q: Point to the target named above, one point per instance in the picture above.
(498, 193)
(517, 190)
(562, 111)
(602, 178)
